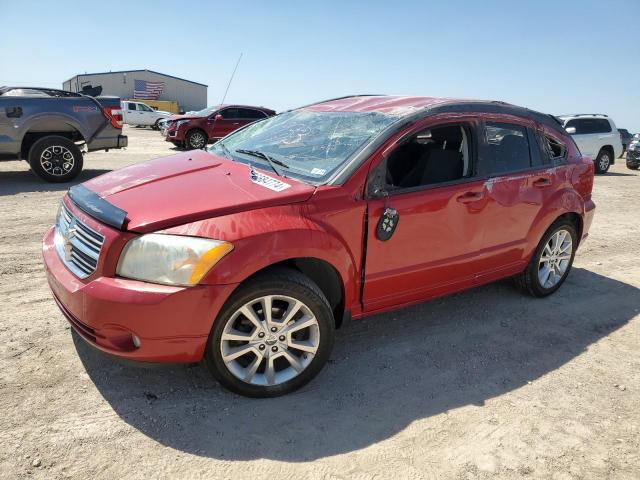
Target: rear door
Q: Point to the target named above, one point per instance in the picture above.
(591, 134)
(130, 113)
(519, 180)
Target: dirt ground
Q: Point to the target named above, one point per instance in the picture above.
(483, 384)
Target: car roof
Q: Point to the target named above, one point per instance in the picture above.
(390, 104)
(412, 108)
(583, 115)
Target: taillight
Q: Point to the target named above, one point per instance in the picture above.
(114, 115)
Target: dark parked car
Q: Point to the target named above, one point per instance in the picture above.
(633, 154)
(625, 138)
(211, 124)
(287, 229)
(48, 128)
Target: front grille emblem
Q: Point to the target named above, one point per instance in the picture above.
(66, 238)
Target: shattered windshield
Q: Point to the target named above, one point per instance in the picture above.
(311, 145)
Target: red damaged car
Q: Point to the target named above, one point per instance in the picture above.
(211, 124)
(249, 255)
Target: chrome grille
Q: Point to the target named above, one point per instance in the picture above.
(78, 245)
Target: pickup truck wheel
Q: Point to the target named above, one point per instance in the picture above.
(195, 139)
(55, 159)
(156, 126)
(273, 336)
(551, 261)
(603, 161)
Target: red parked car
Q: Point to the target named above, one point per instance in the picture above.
(211, 124)
(248, 256)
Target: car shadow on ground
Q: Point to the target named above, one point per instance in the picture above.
(385, 373)
(618, 174)
(26, 181)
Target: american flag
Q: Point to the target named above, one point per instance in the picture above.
(147, 90)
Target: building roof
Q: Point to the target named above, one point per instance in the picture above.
(133, 71)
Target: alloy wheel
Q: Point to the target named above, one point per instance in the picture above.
(57, 160)
(604, 161)
(270, 340)
(555, 258)
(197, 140)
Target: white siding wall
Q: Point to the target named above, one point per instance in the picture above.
(189, 96)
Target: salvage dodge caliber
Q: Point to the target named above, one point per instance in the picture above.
(249, 255)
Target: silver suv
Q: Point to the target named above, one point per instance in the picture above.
(596, 136)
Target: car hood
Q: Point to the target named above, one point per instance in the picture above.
(183, 117)
(191, 186)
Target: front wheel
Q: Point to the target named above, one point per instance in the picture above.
(603, 161)
(195, 139)
(274, 335)
(55, 159)
(551, 261)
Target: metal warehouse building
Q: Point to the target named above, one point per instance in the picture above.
(189, 95)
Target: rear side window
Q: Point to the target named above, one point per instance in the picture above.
(505, 149)
(556, 149)
(250, 113)
(586, 126)
(131, 106)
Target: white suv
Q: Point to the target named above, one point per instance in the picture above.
(138, 113)
(596, 136)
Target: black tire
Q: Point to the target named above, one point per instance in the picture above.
(528, 281)
(282, 281)
(49, 158)
(155, 126)
(603, 160)
(195, 139)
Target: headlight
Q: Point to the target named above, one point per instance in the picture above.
(181, 122)
(170, 259)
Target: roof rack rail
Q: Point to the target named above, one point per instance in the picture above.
(584, 115)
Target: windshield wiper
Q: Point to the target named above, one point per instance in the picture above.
(272, 161)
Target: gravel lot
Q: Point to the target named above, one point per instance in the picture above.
(486, 383)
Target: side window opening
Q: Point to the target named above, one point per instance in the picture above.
(131, 106)
(436, 155)
(505, 149)
(557, 150)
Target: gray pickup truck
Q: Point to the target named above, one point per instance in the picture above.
(50, 129)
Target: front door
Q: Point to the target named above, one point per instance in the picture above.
(221, 127)
(425, 230)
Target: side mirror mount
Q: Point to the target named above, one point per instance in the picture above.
(571, 130)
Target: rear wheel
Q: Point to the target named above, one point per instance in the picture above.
(195, 139)
(603, 161)
(55, 159)
(551, 261)
(273, 336)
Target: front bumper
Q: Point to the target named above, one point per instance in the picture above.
(633, 158)
(171, 323)
(174, 135)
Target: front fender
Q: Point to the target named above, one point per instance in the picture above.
(264, 237)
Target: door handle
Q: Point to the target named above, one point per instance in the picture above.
(470, 197)
(542, 182)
